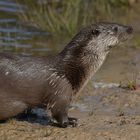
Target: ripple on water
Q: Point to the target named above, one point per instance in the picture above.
(16, 35)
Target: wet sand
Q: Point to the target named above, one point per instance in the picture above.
(108, 114)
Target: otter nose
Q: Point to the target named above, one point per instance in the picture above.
(129, 30)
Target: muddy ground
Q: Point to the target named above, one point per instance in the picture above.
(110, 113)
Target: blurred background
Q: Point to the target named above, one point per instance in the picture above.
(42, 27)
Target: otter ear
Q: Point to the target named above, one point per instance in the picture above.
(95, 32)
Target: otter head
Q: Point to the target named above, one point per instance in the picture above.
(103, 36)
(98, 38)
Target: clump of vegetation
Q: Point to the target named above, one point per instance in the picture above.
(130, 84)
(63, 18)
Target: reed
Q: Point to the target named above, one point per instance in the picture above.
(64, 18)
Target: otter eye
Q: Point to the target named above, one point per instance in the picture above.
(96, 32)
(115, 29)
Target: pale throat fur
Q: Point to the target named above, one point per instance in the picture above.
(82, 64)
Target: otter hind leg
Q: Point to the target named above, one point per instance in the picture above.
(60, 114)
(11, 108)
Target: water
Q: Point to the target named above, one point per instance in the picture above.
(16, 36)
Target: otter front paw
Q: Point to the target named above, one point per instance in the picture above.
(70, 122)
(73, 121)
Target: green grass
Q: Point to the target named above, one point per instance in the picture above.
(64, 18)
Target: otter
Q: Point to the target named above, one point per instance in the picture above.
(52, 82)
